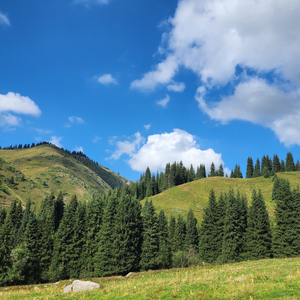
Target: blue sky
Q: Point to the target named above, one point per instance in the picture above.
(140, 83)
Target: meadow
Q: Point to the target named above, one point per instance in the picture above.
(263, 279)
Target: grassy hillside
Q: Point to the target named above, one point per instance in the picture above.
(40, 170)
(263, 279)
(194, 195)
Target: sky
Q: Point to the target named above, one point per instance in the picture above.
(137, 83)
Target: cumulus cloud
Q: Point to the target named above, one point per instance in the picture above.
(15, 103)
(55, 140)
(213, 37)
(164, 102)
(97, 139)
(127, 147)
(178, 145)
(176, 87)
(75, 120)
(260, 103)
(4, 19)
(107, 79)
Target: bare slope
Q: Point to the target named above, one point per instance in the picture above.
(194, 195)
(40, 170)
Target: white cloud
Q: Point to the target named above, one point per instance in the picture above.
(55, 140)
(79, 149)
(257, 102)
(178, 145)
(97, 139)
(213, 37)
(4, 19)
(176, 87)
(164, 102)
(147, 127)
(15, 103)
(76, 120)
(127, 147)
(42, 131)
(107, 79)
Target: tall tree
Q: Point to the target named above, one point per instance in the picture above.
(250, 169)
(191, 237)
(276, 164)
(256, 172)
(180, 232)
(282, 166)
(172, 226)
(212, 170)
(289, 165)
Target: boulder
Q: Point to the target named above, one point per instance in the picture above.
(78, 285)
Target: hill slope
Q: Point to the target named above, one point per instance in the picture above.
(38, 171)
(194, 195)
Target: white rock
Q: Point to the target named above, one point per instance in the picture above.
(68, 289)
(79, 285)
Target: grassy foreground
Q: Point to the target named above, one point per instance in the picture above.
(264, 279)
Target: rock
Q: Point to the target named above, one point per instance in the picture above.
(79, 285)
(129, 274)
(68, 289)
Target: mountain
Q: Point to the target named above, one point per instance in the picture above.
(194, 195)
(36, 172)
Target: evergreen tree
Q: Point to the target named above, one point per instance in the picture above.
(282, 166)
(296, 221)
(105, 260)
(249, 171)
(191, 237)
(221, 171)
(232, 239)
(243, 218)
(150, 245)
(282, 245)
(59, 206)
(167, 178)
(149, 191)
(127, 235)
(265, 172)
(192, 174)
(256, 172)
(209, 249)
(212, 170)
(297, 166)
(180, 232)
(258, 236)
(202, 172)
(289, 165)
(165, 255)
(2, 216)
(173, 173)
(172, 226)
(25, 220)
(276, 164)
(237, 172)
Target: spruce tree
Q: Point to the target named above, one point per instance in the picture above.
(256, 172)
(296, 221)
(212, 170)
(258, 235)
(282, 166)
(192, 174)
(167, 177)
(289, 165)
(165, 255)
(221, 171)
(172, 226)
(105, 261)
(59, 206)
(127, 235)
(282, 245)
(276, 164)
(150, 245)
(249, 171)
(297, 166)
(180, 232)
(232, 238)
(24, 221)
(208, 246)
(2, 216)
(191, 237)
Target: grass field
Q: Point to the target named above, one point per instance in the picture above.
(194, 195)
(264, 279)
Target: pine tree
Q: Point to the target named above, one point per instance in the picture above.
(173, 172)
(296, 221)
(256, 172)
(59, 206)
(24, 221)
(192, 174)
(127, 235)
(167, 177)
(202, 172)
(105, 260)
(297, 166)
(276, 164)
(165, 255)
(150, 245)
(284, 230)
(2, 216)
(249, 171)
(191, 237)
(258, 236)
(289, 165)
(232, 239)
(221, 171)
(172, 226)
(180, 232)
(212, 170)
(149, 190)
(209, 248)
(282, 166)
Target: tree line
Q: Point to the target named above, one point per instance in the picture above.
(113, 235)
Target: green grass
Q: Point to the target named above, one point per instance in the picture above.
(194, 195)
(264, 279)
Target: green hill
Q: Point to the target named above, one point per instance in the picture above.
(38, 171)
(194, 195)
